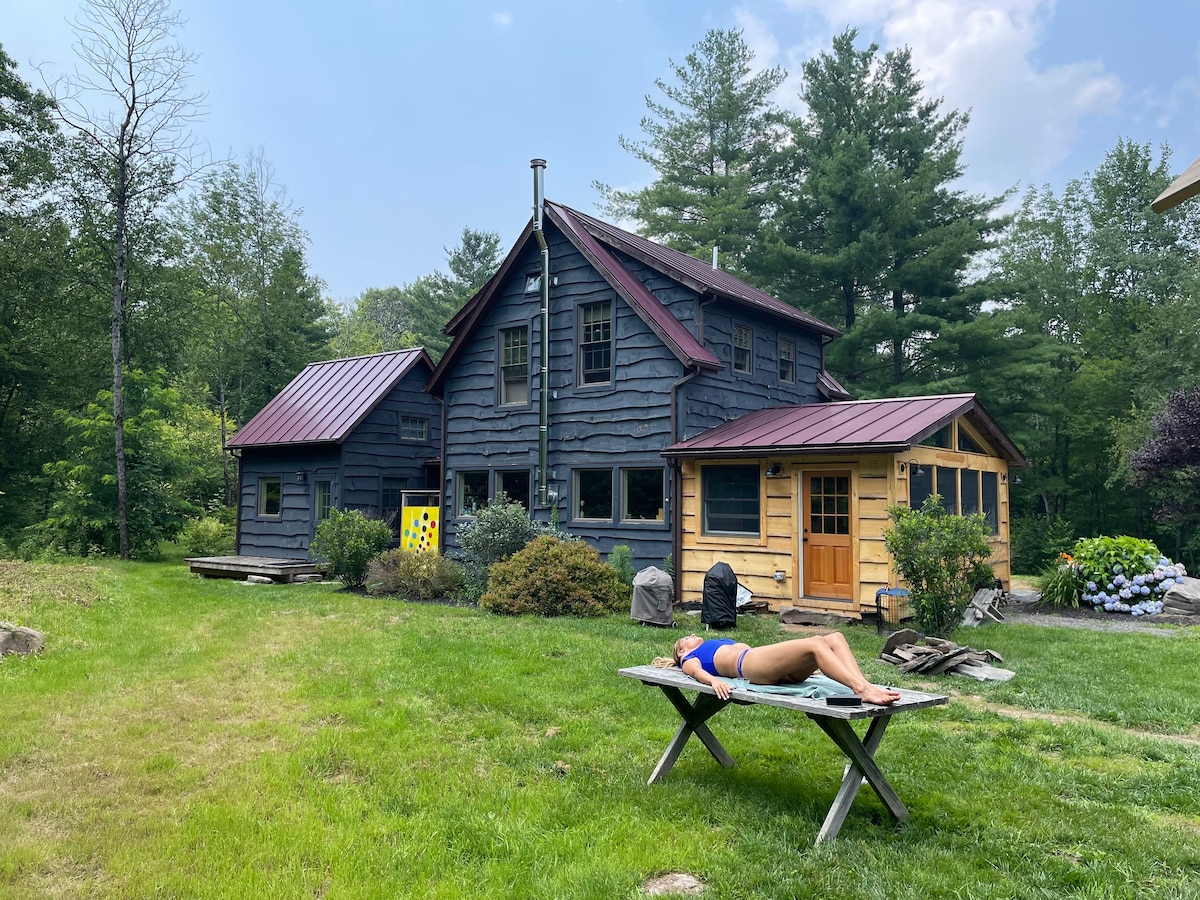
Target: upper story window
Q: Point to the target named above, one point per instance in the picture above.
(514, 366)
(595, 343)
(743, 347)
(533, 283)
(414, 429)
(787, 362)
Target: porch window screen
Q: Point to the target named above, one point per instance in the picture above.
(991, 502)
(969, 497)
(731, 500)
(920, 484)
(947, 486)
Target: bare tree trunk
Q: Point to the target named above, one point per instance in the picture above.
(118, 391)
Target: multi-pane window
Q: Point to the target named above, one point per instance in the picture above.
(743, 346)
(514, 484)
(787, 362)
(414, 429)
(472, 492)
(323, 500)
(642, 494)
(963, 491)
(730, 500)
(514, 366)
(595, 343)
(593, 494)
(829, 504)
(270, 496)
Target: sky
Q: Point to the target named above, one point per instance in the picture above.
(394, 125)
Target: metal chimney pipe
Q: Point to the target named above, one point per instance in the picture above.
(543, 488)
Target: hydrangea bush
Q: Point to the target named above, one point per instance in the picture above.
(1124, 574)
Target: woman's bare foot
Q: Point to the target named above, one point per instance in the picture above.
(879, 696)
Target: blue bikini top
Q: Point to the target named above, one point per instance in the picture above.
(705, 652)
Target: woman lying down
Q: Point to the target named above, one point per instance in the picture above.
(786, 662)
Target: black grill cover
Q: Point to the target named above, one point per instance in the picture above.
(718, 609)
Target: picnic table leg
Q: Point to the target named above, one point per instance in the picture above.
(694, 717)
(862, 765)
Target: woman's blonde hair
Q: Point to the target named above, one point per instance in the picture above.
(664, 662)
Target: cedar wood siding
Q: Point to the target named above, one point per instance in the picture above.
(372, 451)
(621, 425)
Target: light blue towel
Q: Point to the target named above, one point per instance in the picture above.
(815, 687)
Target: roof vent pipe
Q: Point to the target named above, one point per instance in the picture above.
(539, 170)
(715, 249)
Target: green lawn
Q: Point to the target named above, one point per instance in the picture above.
(200, 738)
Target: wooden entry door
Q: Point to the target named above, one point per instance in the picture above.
(828, 560)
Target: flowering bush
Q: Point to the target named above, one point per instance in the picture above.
(1124, 574)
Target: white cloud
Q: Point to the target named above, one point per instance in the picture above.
(980, 56)
(502, 19)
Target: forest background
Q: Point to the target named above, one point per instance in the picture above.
(152, 300)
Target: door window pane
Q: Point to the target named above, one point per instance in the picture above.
(829, 504)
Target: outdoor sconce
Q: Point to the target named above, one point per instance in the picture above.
(774, 470)
(912, 462)
(1004, 478)
(779, 575)
(302, 477)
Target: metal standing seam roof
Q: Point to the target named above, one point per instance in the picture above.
(327, 400)
(843, 426)
(593, 238)
(696, 273)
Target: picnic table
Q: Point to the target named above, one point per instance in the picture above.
(833, 720)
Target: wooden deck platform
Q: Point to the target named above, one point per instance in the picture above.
(281, 570)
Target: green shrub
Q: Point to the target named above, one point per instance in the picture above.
(1061, 584)
(348, 541)
(668, 565)
(621, 560)
(554, 578)
(936, 553)
(500, 530)
(207, 536)
(1036, 543)
(413, 575)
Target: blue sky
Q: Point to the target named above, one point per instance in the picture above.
(393, 125)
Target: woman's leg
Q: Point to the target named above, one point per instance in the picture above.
(793, 661)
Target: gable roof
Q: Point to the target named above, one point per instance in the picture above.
(880, 426)
(1182, 188)
(327, 400)
(596, 240)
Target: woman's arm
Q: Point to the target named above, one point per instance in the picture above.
(720, 687)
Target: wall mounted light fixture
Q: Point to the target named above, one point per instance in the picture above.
(774, 470)
(302, 477)
(904, 466)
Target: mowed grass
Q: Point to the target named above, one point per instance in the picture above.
(205, 738)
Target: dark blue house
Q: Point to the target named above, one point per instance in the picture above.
(590, 352)
(348, 434)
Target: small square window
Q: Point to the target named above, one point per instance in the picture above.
(270, 497)
(642, 495)
(414, 429)
(787, 362)
(472, 492)
(743, 347)
(593, 494)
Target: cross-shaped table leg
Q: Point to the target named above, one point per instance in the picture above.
(862, 765)
(694, 717)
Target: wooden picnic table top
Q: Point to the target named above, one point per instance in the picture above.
(676, 678)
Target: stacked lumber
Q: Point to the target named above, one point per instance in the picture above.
(984, 607)
(910, 651)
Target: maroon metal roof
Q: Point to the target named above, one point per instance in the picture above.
(328, 399)
(856, 425)
(697, 274)
(672, 332)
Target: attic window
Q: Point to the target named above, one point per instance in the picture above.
(940, 438)
(414, 429)
(968, 444)
(533, 283)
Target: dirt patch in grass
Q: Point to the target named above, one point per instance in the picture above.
(22, 583)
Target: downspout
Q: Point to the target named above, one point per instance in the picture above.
(539, 169)
(676, 508)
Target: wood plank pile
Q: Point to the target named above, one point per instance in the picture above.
(984, 607)
(935, 656)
